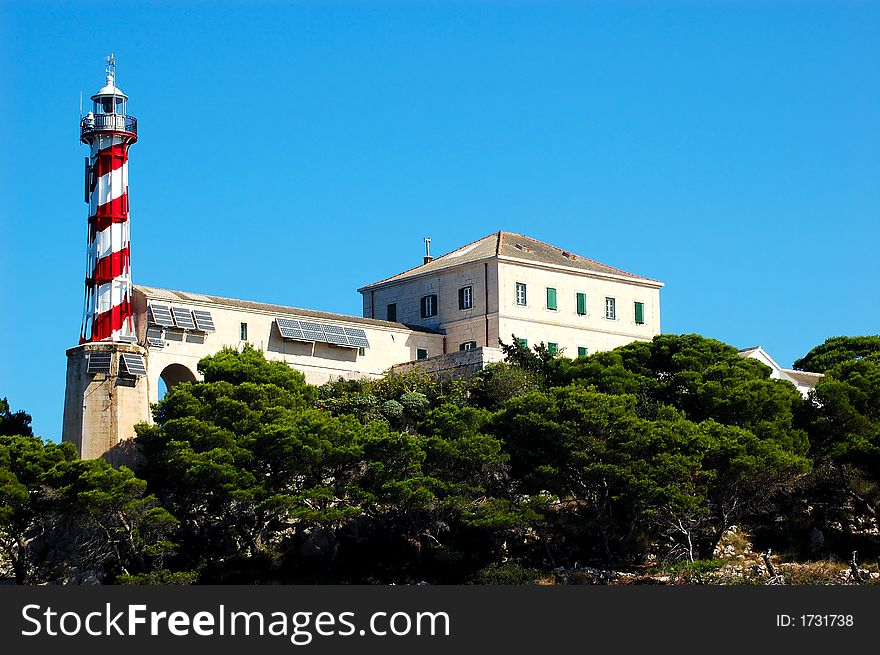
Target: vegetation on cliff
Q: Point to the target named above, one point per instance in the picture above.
(640, 460)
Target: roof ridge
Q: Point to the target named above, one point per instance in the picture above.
(446, 254)
(290, 309)
(593, 261)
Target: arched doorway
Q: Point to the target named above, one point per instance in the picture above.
(172, 375)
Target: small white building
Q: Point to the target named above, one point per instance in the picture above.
(803, 381)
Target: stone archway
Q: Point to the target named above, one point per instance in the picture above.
(174, 374)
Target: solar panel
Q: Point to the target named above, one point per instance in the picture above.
(183, 318)
(156, 343)
(161, 315)
(203, 319)
(154, 333)
(312, 331)
(128, 339)
(335, 334)
(99, 362)
(289, 328)
(357, 337)
(134, 364)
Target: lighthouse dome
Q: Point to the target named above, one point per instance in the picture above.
(109, 89)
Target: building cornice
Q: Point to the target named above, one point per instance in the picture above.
(640, 281)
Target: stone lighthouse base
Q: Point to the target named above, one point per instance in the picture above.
(101, 408)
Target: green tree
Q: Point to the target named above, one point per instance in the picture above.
(704, 378)
(248, 465)
(844, 424)
(499, 382)
(64, 518)
(27, 502)
(605, 464)
(111, 525)
(837, 350)
(14, 423)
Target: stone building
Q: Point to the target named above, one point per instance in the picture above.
(506, 284)
(445, 315)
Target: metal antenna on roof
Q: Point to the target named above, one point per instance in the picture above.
(428, 257)
(111, 67)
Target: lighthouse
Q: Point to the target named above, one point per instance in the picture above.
(109, 132)
(107, 387)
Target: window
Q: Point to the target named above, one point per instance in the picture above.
(465, 297)
(552, 348)
(611, 309)
(391, 312)
(468, 345)
(582, 351)
(551, 298)
(243, 334)
(640, 313)
(421, 353)
(520, 293)
(362, 352)
(523, 343)
(582, 304)
(429, 306)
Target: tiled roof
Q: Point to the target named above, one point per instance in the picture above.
(188, 297)
(509, 244)
(805, 378)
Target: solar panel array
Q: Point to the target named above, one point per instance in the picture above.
(204, 321)
(134, 364)
(128, 339)
(99, 362)
(198, 320)
(336, 335)
(156, 343)
(183, 318)
(161, 315)
(357, 337)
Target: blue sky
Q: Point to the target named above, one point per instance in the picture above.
(292, 152)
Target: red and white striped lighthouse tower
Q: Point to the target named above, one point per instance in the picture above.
(107, 130)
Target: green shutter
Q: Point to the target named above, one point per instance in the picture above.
(461, 298)
(552, 348)
(523, 343)
(582, 304)
(551, 298)
(582, 351)
(640, 313)
(421, 353)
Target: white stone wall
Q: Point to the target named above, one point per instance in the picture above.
(459, 325)
(534, 321)
(461, 364)
(319, 362)
(564, 326)
(101, 409)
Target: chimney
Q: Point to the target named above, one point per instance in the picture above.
(428, 257)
